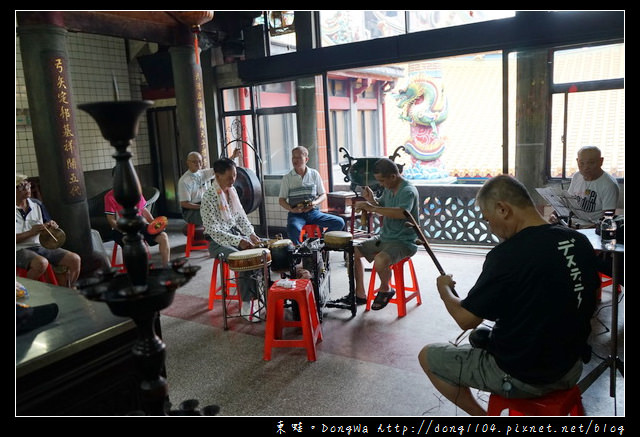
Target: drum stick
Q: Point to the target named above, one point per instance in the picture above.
(47, 229)
(412, 223)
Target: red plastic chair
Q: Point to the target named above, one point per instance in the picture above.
(313, 231)
(48, 276)
(404, 292)
(302, 293)
(192, 243)
(559, 403)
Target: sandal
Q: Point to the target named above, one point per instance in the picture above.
(382, 299)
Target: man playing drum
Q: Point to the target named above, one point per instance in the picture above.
(301, 192)
(395, 241)
(32, 218)
(228, 228)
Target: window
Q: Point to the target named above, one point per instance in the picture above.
(588, 108)
(341, 27)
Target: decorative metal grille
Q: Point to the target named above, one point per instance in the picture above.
(453, 219)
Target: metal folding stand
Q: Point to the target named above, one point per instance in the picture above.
(261, 294)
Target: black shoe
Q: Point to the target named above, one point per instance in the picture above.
(30, 318)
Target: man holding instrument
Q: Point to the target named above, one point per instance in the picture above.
(301, 191)
(32, 219)
(538, 286)
(396, 240)
(228, 228)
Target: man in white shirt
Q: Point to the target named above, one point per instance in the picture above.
(301, 191)
(595, 189)
(191, 186)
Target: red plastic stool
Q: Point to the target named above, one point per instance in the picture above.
(192, 243)
(313, 231)
(214, 288)
(114, 257)
(404, 292)
(558, 403)
(302, 293)
(605, 281)
(47, 276)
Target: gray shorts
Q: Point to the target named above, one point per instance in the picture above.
(396, 250)
(468, 366)
(25, 256)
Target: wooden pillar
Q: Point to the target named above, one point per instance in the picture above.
(52, 108)
(190, 103)
(532, 115)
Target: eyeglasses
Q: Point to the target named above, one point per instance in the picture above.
(23, 186)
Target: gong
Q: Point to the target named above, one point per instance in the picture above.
(53, 239)
(249, 189)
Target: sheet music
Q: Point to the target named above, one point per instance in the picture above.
(563, 202)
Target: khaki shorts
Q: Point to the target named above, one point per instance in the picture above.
(396, 250)
(468, 366)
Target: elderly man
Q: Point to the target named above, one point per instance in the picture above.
(538, 286)
(228, 228)
(301, 191)
(596, 190)
(31, 219)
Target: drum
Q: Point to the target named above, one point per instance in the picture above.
(337, 239)
(250, 259)
(281, 254)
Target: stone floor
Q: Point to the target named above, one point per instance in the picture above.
(367, 365)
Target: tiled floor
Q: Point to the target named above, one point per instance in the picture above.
(367, 365)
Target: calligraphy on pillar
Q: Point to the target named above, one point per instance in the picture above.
(203, 146)
(66, 138)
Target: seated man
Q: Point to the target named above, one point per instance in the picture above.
(31, 219)
(228, 228)
(596, 190)
(193, 184)
(395, 241)
(301, 192)
(538, 285)
(112, 210)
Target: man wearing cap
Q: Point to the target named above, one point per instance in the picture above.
(31, 219)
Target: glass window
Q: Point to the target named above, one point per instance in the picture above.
(588, 63)
(275, 95)
(594, 118)
(278, 134)
(341, 27)
(238, 133)
(236, 99)
(427, 20)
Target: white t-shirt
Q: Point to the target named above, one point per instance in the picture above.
(191, 186)
(35, 216)
(295, 188)
(595, 197)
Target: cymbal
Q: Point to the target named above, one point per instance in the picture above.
(157, 225)
(53, 239)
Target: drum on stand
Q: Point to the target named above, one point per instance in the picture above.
(337, 240)
(281, 255)
(250, 259)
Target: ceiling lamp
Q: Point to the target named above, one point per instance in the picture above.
(194, 19)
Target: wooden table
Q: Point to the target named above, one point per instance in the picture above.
(81, 363)
(612, 362)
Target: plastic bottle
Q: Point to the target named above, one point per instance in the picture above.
(608, 230)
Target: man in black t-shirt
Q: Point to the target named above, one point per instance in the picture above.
(538, 286)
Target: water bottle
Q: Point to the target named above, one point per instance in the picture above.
(608, 230)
